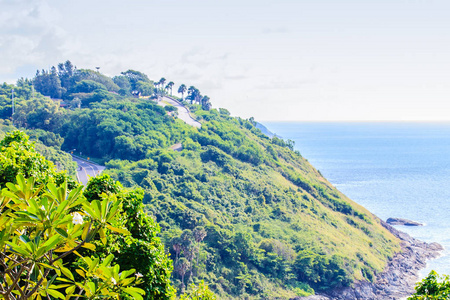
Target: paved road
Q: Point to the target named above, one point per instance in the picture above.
(183, 112)
(86, 169)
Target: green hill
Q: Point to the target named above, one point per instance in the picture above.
(242, 211)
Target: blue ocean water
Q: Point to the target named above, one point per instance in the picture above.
(392, 169)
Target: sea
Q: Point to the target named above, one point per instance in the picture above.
(396, 169)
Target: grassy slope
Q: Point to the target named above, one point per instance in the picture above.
(268, 202)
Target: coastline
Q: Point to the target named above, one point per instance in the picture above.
(399, 277)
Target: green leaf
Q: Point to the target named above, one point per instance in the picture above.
(55, 294)
(127, 273)
(87, 208)
(108, 260)
(24, 239)
(89, 246)
(70, 290)
(118, 230)
(91, 286)
(113, 210)
(93, 264)
(53, 190)
(62, 206)
(62, 232)
(18, 249)
(96, 205)
(67, 273)
(135, 292)
(81, 273)
(51, 242)
(101, 232)
(51, 280)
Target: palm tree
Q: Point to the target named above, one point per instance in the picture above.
(182, 90)
(181, 267)
(176, 244)
(156, 84)
(161, 82)
(197, 96)
(199, 234)
(169, 87)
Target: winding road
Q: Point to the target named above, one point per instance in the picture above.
(86, 169)
(183, 112)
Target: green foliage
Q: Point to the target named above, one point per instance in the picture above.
(47, 138)
(142, 249)
(87, 86)
(48, 83)
(83, 74)
(132, 241)
(18, 157)
(39, 230)
(62, 160)
(102, 184)
(243, 212)
(433, 287)
(321, 271)
(200, 292)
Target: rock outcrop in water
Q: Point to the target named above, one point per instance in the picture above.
(405, 222)
(399, 277)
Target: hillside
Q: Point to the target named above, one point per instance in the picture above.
(242, 211)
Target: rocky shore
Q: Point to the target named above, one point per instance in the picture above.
(398, 279)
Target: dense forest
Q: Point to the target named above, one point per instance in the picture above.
(245, 213)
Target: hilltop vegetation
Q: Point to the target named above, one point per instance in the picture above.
(243, 212)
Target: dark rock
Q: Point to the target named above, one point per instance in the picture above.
(405, 222)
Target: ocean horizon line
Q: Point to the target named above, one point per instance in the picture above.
(357, 121)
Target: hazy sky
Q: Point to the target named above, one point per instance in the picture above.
(274, 60)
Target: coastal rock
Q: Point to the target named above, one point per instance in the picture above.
(405, 222)
(398, 278)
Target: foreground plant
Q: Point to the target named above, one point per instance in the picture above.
(433, 287)
(38, 229)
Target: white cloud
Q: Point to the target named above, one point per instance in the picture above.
(29, 35)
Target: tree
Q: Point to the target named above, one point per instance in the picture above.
(182, 266)
(87, 86)
(432, 287)
(181, 90)
(123, 82)
(206, 105)
(169, 87)
(199, 234)
(97, 96)
(200, 292)
(194, 94)
(161, 82)
(48, 83)
(39, 228)
(135, 76)
(145, 88)
(141, 250)
(65, 72)
(19, 157)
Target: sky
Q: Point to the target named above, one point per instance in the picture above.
(283, 60)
